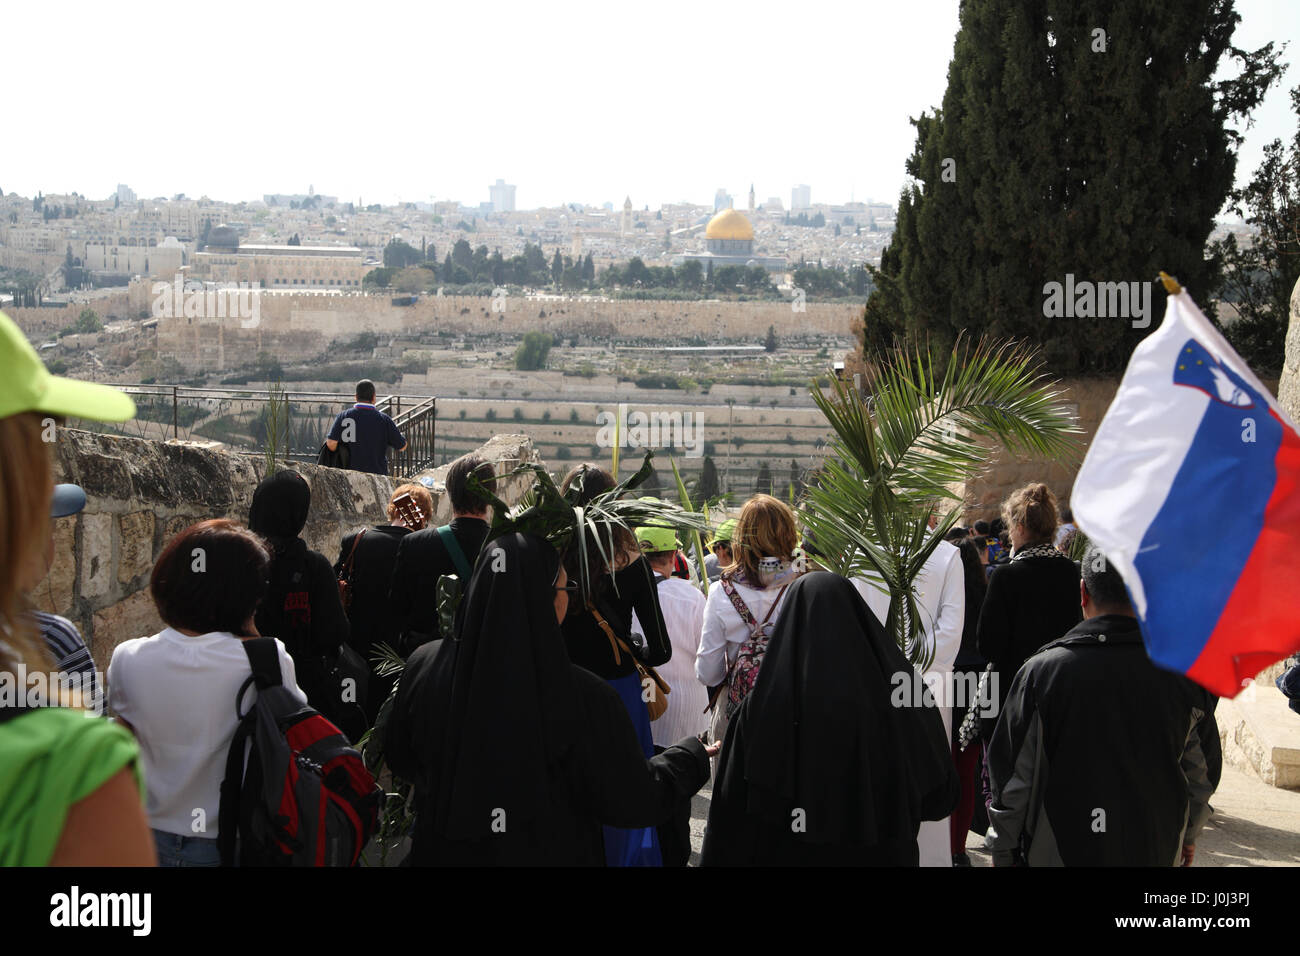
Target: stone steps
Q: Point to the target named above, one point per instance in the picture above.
(1261, 734)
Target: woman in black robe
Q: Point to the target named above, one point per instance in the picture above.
(517, 755)
(818, 766)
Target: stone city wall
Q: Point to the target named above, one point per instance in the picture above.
(140, 494)
(305, 325)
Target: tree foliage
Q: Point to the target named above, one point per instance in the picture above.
(1076, 137)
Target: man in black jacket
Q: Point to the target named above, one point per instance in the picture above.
(422, 557)
(1100, 758)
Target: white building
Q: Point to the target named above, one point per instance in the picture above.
(800, 198)
(502, 196)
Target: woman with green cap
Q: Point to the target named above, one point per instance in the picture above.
(70, 786)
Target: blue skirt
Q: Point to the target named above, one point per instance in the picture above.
(639, 847)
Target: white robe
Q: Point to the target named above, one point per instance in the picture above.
(941, 598)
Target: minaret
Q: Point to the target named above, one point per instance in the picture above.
(627, 216)
(751, 200)
(576, 250)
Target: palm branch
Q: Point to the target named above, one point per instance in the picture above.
(559, 517)
(896, 456)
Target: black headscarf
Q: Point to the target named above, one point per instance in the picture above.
(820, 733)
(511, 712)
(280, 506)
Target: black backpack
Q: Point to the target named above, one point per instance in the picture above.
(295, 792)
(340, 457)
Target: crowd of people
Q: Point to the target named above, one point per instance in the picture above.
(552, 711)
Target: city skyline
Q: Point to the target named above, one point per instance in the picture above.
(663, 110)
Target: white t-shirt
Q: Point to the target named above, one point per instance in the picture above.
(725, 631)
(178, 693)
(683, 609)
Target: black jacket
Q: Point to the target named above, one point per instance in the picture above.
(586, 641)
(1100, 758)
(421, 560)
(370, 614)
(1030, 602)
(602, 779)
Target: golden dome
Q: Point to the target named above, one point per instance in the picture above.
(729, 224)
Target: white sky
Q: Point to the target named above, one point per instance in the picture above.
(571, 101)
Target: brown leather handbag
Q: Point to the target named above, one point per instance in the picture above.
(659, 690)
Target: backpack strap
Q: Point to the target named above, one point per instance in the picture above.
(456, 554)
(264, 660)
(739, 604)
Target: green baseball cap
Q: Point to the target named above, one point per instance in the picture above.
(652, 538)
(724, 532)
(29, 387)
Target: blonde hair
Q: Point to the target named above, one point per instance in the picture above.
(765, 528)
(1034, 508)
(421, 496)
(26, 486)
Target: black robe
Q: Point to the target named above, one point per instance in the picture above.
(517, 755)
(818, 767)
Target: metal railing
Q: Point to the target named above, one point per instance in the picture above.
(240, 418)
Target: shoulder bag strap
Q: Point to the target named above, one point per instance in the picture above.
(457, 555)
(352, 555)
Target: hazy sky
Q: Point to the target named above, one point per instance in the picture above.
(571, 101)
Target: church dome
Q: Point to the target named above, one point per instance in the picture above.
(729, 224)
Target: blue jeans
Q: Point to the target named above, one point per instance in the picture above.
(175, 849)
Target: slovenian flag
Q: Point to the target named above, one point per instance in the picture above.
(1192, 490)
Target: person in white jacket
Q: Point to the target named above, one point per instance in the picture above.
(941, 600)
(765, 559)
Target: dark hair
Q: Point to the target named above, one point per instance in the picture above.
(982, 528)
(997, 526)
(464, 501)
(210, 577)
(1102, 582)
(365, 390)
(595, 481)
(1066, 514)
(977, 579)
(955, 534)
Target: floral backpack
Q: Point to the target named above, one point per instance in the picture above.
(744, 673)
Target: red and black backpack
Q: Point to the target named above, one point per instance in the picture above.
(295, 792)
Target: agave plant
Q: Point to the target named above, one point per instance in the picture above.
(897, 454)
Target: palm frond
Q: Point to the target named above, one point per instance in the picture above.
(696, 541)
(896, 456)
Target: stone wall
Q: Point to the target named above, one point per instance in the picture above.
(303, 326)
(1088, 399)
(141, 493)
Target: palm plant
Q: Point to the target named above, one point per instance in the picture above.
(561, 519)
(897, 455)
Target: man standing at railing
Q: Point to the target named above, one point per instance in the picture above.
(367, 432)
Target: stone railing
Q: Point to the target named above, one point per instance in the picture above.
(140, 493)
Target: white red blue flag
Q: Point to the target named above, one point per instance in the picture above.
(1192, 490)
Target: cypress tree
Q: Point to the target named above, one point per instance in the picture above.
(1076, 137)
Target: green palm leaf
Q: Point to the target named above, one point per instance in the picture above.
(896, 455)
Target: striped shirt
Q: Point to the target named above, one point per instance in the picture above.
(72, 658)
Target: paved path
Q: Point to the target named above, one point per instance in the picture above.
(1253, 825)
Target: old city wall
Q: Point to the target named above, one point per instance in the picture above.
(301, 326)
(141, 493)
